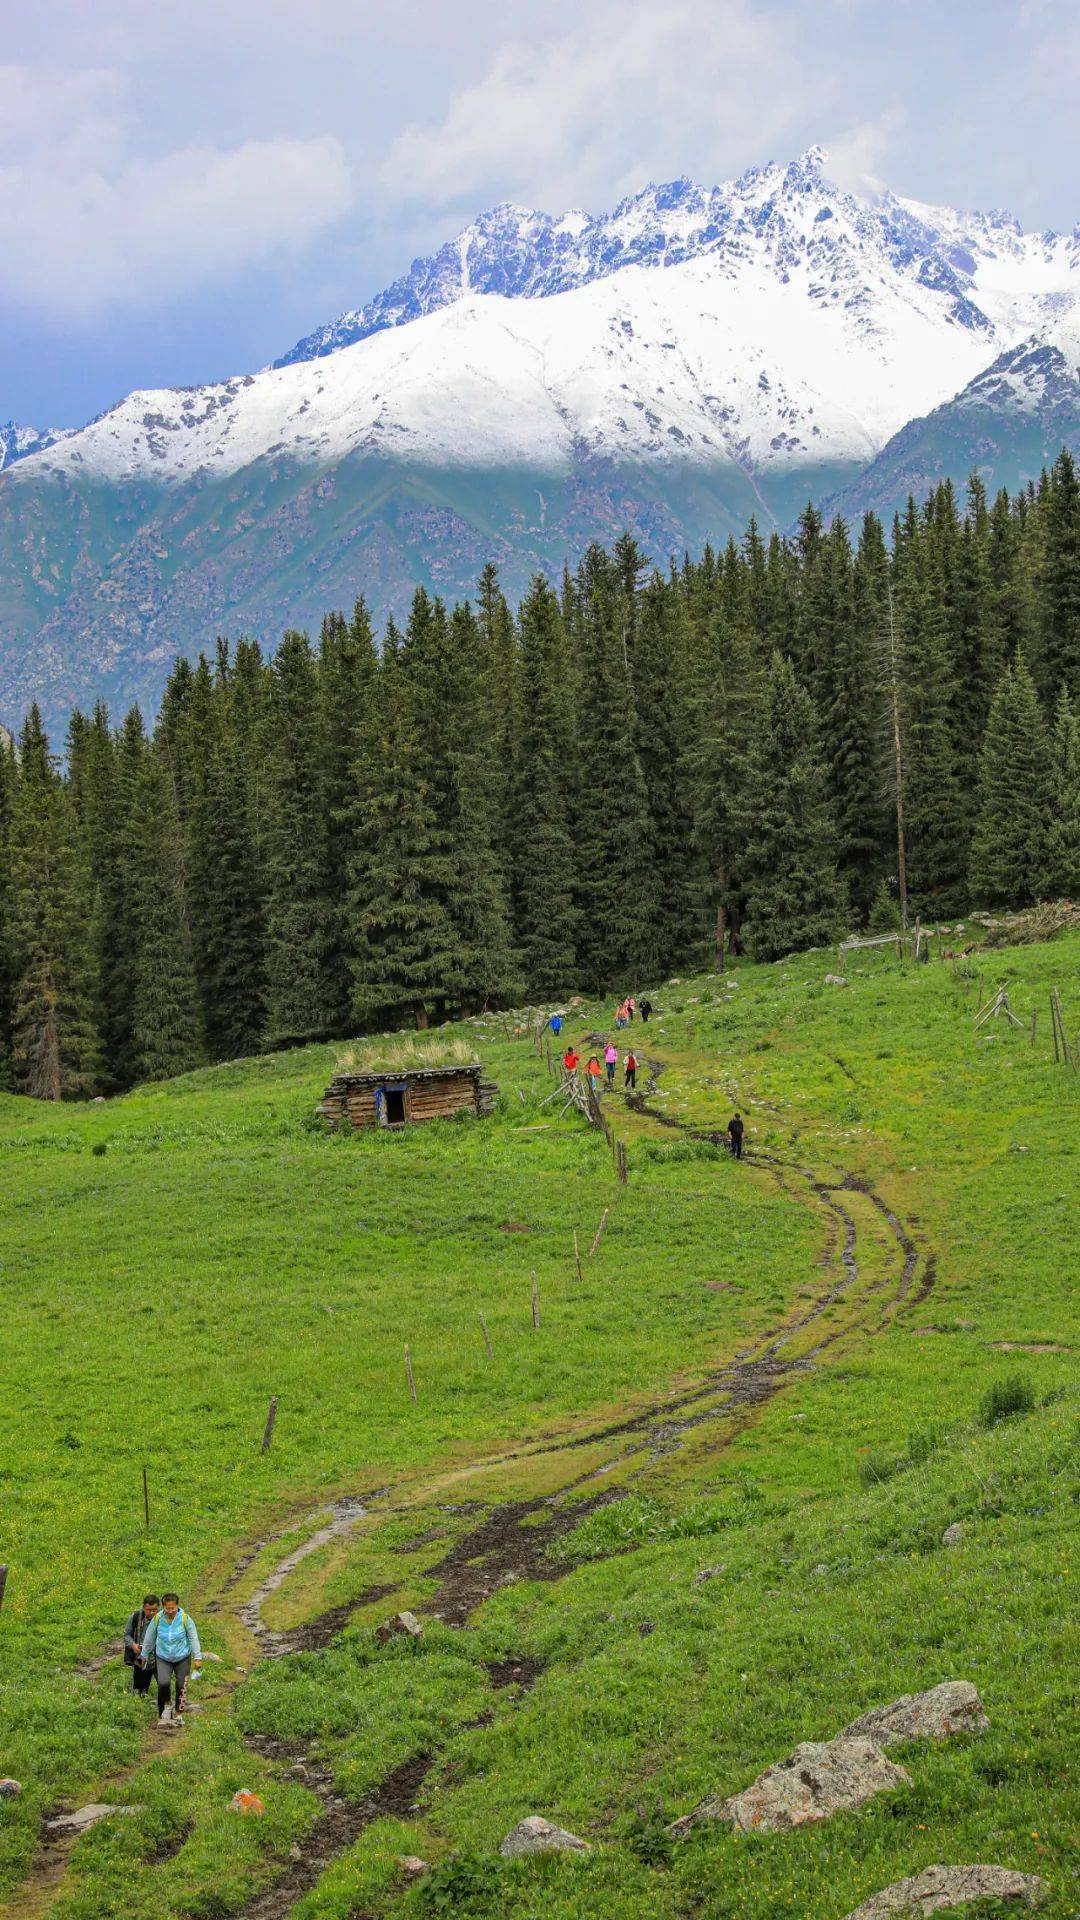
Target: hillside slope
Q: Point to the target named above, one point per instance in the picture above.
(694, 1517)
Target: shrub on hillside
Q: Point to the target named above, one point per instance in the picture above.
(1005, 1399)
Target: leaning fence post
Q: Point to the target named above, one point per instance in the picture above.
(487, 1336)
(535, 1301)
(408, 1371)
(577, 1255)
(599, 1231)
(3, 1581)
(271, 1418)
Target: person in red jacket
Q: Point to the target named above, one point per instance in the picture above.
(630, 1074)
(570, 1059)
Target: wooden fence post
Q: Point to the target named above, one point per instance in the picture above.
(271, 1420)
(535, 1302)
(1053, 1025)
(408, 1372)
(622, 1165)
(577, 1255)
(487, 1336)
(3, 1581)
(146, 1496)
(599, 1231)
(1034, 1023)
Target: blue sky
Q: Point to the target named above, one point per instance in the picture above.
(184, 189)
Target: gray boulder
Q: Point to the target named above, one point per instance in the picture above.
(821, 1777)
(10, 1789)
(88, 1816)
(953, 1536)
(952, 1707)
(937, 1888)
(537, 1835)
(406, 1623)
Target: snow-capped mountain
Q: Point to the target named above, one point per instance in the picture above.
(17, 442)
(695, 357)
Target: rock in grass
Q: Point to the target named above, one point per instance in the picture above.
(952, 1707)
(10, 1789)
(88, 1816)
(937, 1888)
(411, 1866)
(953, 1535)
(537, 1835)
(820, 1778)
(401, 1623)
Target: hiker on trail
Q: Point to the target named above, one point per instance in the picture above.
(646, 1009)
(631, 1003)
(556, 1023)
(133, 1639)
(735, 1134)
(172, 1644)
(630, 1075)
(570, 1058)
(611, 1055)
(593, 1071)
(621, 1015)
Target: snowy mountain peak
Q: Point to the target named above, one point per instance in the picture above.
(17, 442)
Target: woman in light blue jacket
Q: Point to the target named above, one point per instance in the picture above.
(173, 1642)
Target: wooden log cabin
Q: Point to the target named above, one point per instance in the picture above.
(405, 1096)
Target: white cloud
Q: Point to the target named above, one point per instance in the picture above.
(633, 90)
(855, 156)
(86, 222)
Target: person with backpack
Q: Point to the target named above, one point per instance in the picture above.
(556, 1024)
(611, 1056)
(137, 1626)
(172, 1643)
(622, 1017)
(570, 1059)
(646, 1009)
(592, 1068)
(735, 1135)
(630, 1074)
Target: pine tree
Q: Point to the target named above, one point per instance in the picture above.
(1059, 582)
(1061, 879)
(1008, 851)
(347, 667)
(403, 946)
(165, 1022)
(8, 775)
(935, 811)
(54, 1040)
(297, 934)
(715, 770)
(793, 896)
(614, 850)
(546, 919)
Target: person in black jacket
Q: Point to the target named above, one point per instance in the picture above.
(735, 1134)
(134, 1632)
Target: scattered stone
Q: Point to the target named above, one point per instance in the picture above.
(412, 1866)
(953, 1536)
(820, 1778)
(537, 1835)
(10, 1789)
(296, 1853)
(952, 1707)
(938, 1887)
(835, 980)
(244, 1801)
(401, 1623)
(820, 1570)
(88, 1816)
(1027, 1346)
(215, 1657)
(646, 1627)
(708, 1573)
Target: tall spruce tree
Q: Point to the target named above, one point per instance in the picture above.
(54, 1038)
(297, 934)
(715, 770)
(546, 919)
(935, 811)
(165, 1022)
(1059, 582)
(347, 665)
(1061, 879)
(794, 898)
(1008, 850)
(8, 775)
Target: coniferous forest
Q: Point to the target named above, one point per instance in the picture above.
(628, 773)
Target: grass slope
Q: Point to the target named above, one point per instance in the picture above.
(174, 1257)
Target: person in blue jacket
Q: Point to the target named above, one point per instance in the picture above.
(556, 1023)
(172, 1641)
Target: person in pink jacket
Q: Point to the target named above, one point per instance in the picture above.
(611, 1057)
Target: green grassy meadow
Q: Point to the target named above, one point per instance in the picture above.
(172, 1258)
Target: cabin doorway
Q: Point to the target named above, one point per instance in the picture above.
(395, 1106)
